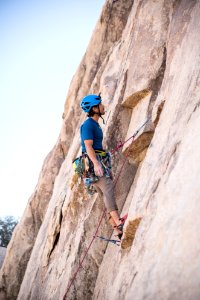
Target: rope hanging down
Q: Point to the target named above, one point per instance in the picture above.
(104, 211)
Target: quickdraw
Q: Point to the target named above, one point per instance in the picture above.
(115, 242)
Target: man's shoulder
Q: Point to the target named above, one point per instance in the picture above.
(87, 129)
(88, 122)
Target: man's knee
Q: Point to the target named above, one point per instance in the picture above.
(111, 208)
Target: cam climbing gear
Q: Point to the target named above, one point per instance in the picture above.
(88, 182)
(82, 166)
(78, 165)
(89, 176)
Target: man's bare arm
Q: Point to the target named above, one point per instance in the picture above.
(92, 155)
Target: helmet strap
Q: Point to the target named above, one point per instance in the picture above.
(100, 115)
(102, 118)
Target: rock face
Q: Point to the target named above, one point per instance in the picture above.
(144, 57)
(2, 255)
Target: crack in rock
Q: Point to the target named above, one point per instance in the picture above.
(129, 234)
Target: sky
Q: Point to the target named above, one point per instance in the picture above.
(42, 44)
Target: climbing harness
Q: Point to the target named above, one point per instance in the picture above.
(104, 211)
(84, 168)
(105, 160)
(89, 176)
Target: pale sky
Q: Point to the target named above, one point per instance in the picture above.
(42, 44)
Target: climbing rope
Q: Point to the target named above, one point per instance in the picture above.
(104, 211)
(120, 145)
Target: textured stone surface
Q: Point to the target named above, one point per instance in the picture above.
(2, 255)
(149, 46)
(107, 32)
(134, 99)
(24, 235)
(162, 260)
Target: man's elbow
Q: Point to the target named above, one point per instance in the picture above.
(88, 144)
(88, 147)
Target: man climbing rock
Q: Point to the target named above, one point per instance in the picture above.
(98, 169)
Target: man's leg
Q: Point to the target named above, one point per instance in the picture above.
(115, 217)
(113, 223)
(107, 187)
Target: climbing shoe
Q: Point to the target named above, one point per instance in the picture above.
(121, 226)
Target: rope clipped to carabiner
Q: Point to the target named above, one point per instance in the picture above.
(120, 144)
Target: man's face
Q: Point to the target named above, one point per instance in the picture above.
(102, 108)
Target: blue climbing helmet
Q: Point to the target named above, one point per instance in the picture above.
(89, 101)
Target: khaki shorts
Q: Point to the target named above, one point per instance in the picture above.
(106, 186)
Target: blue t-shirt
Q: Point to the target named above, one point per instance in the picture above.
(90, 130)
